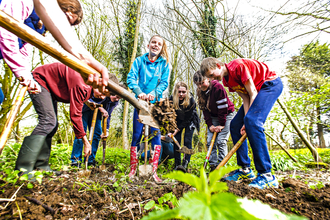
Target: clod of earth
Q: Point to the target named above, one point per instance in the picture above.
(164, 112)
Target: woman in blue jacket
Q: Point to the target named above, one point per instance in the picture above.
(148, 78)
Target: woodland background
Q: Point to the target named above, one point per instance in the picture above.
(291, 36)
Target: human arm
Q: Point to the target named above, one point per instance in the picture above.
(56, 22)
(87, 146)
(133, 77)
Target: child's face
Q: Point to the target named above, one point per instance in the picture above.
(114, 98)
(182, 92)
(215, 73)
(155, 46)
(204, 85)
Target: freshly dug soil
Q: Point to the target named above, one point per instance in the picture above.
(164, 113)
(107, 196)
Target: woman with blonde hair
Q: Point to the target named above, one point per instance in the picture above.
(185, 108)
(148, 78)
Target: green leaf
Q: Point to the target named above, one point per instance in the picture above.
(150, 205)
(264, 211)
(219, 173)
(24, 177)
(204, 182)
(218, 187)
(187, 178)
(29, 185)
(162, 215)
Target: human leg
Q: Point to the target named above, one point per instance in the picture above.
(255, 119)
(96, 141)
(33, 144)
(156, 143)
(77, 148)
(188, 143)
(222, 138)
(213, 157)
(177, 155)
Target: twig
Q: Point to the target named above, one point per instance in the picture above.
(130, 210)
(158, 167)
(19, 211)
(13, 196)
(7, 200)
(51, 210)
(139, 207)
(275, 190)
(124, 210)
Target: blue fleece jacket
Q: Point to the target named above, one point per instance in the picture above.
(149, 78)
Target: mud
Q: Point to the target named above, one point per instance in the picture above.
(109, 195)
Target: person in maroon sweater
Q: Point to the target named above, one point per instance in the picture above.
(58, 83)
(218, 112)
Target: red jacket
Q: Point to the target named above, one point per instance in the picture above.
(218, 104)
(67, 86)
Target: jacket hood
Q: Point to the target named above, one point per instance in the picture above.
(160, 58)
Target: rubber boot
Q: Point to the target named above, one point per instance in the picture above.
(134, 161)
(155, 160)
(29, 152)
(42, 162)
(185, 164)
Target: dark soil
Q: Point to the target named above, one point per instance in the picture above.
(107, 196)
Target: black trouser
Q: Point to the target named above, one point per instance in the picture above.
(46, 109)
(187, 142)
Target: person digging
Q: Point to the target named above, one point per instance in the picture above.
(58, 83)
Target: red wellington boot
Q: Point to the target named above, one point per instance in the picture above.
(155, 163)
(134, 161)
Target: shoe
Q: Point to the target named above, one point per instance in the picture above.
(29, 152)
(237, 175)
(261, 182)
(134, 161)
(155, 160)
(75, 164)
(42, 162)
(94, 164)
(180, 168)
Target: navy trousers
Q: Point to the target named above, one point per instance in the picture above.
(254, 125)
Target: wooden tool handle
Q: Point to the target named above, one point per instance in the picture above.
(232, 151)
(146, 134)
(175, 141)
(28, 35)
(11, 118)
(210, 148)
(91, 131)
(104, 127)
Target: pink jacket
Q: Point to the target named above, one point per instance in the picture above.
(17, 59)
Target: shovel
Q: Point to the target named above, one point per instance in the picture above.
(86, 172)
(232, 151)
(104, 141)
(11, 118)
(210, 149)
(145, 170)
(183, 149)
(44, 44)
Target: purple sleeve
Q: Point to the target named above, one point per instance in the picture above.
(222, 103)
(207, 118)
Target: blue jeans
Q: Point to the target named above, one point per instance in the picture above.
(137, 133)
(220, 149)
(254, 121)
(78, 143)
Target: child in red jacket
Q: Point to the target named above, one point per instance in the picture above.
(58, 83)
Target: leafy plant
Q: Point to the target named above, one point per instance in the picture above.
(162, 202)
(211, 201)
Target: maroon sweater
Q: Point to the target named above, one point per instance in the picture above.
(67, 86)
(218, 104)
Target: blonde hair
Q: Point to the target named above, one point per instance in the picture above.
(209, 63)
(186, 101)
(164, 51)
(72, 6)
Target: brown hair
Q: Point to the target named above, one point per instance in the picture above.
(202, 97)
(164, 51)
(209, 63)
(72, 6)
(186, 101)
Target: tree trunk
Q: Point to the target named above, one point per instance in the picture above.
(320, 133)
(126, 106)
(316, 156)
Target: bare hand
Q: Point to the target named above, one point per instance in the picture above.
(219, 128)
(243, 130)
(33, 86)
(104, 136)
(151, 97)
(104, 112)
(87, 147)
(91, 105)
(212, 128)
(143, 96)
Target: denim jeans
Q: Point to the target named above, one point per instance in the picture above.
(220, 149)
(78, 143)
(137, 133)
(254, 126)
